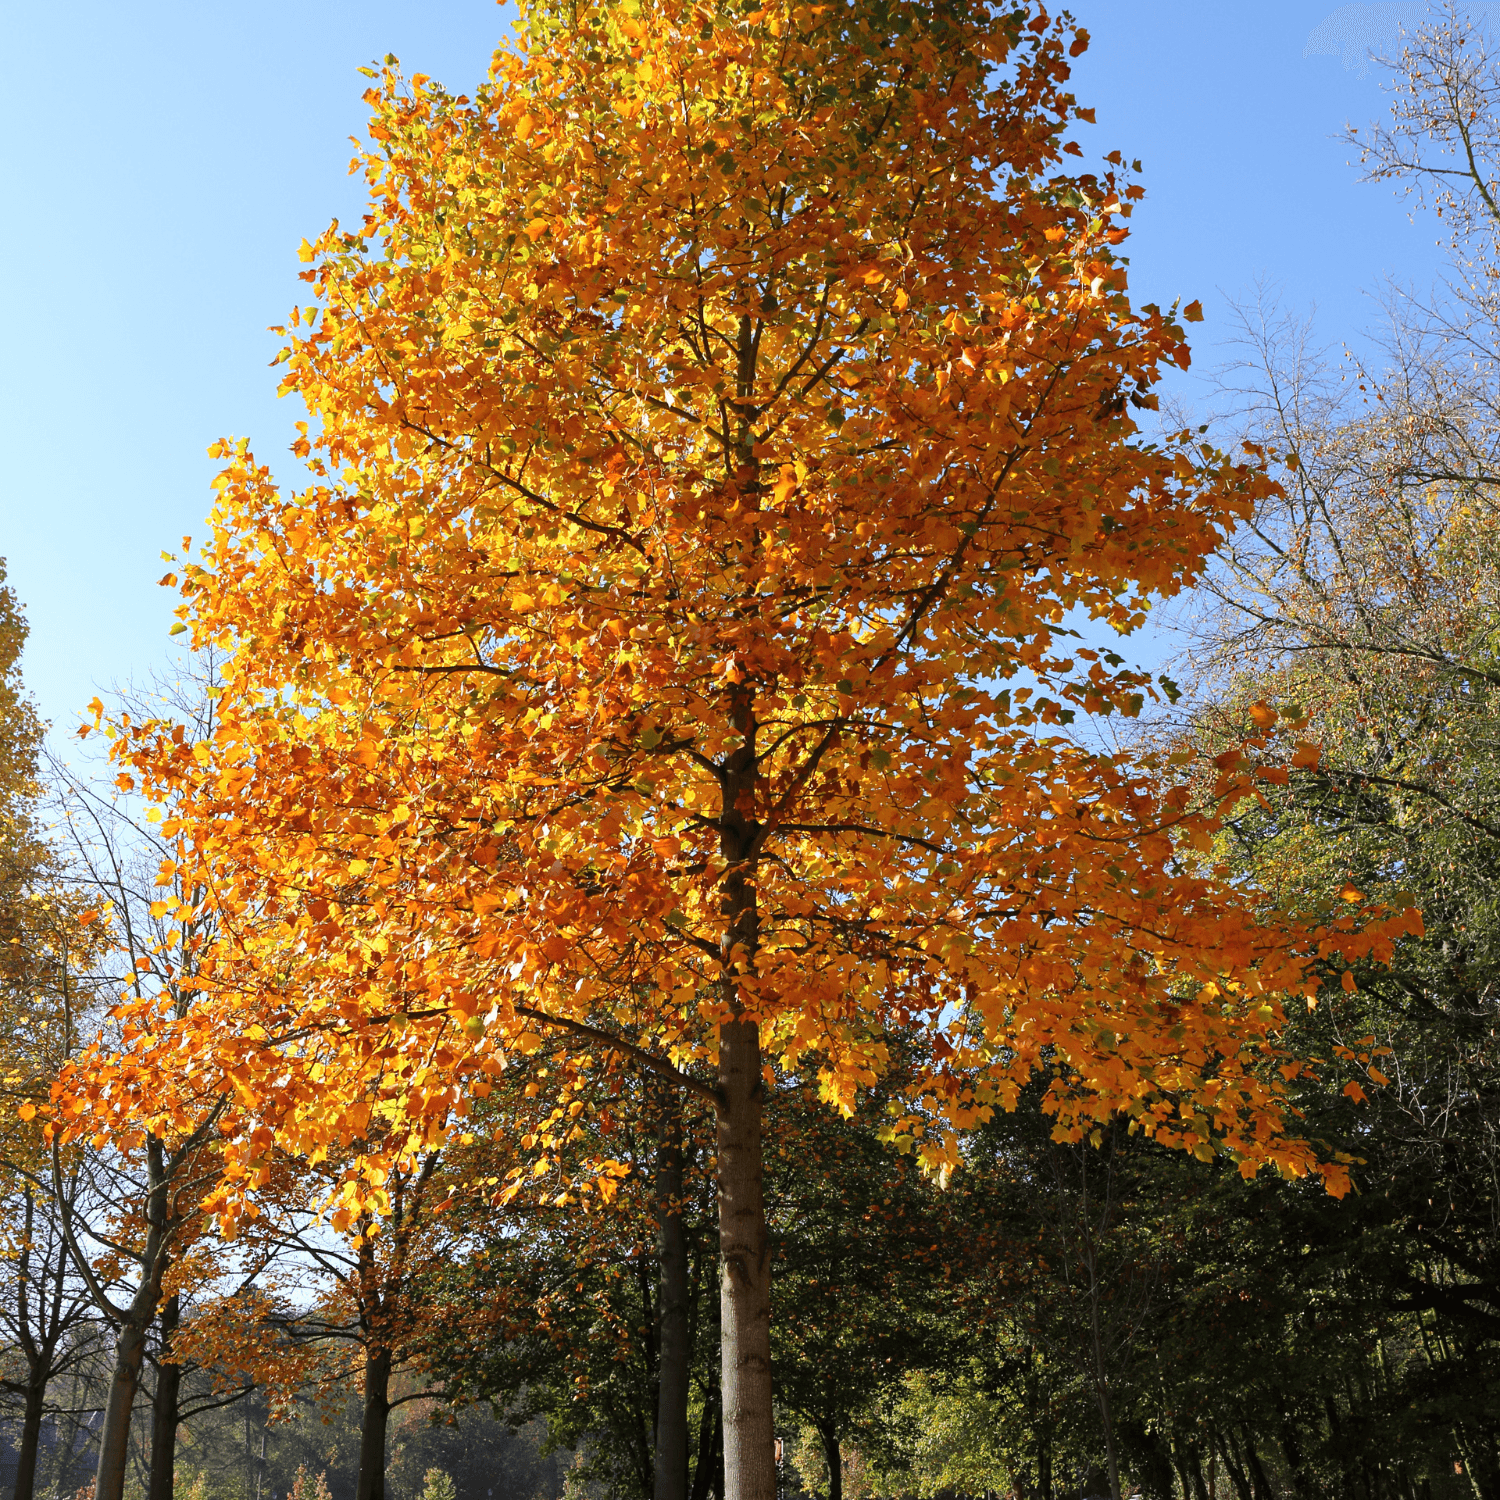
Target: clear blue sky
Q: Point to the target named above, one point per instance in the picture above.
(164, 159)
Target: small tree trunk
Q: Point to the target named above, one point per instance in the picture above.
(833, 1454)
(1101, 1384)
(1291, 1451)
(1045, 1488)
(673, 1343)
(744, 1270)
(31, 1438)
(1200, 1485)
(1260, 1481)
(706, 1478)
(165, 1407)
(1237, 1475)
(370, 1484)
(114, 1435)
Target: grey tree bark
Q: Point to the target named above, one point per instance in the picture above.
(745, 1271)
(744, 1242)
(673, 1338)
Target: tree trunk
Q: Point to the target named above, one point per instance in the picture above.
(31, 1437)
(673, 1342)
(1237, 1476)
(834, 1454)
(1044, 1485)
(1156, 1457)
(370, 1485)
(1101, 1387)
(1260, 1481)
(706, 1476)
(1190, 1472)
(1296, 1464)
(114, 1435)
(744, 1271)
(164, 1407)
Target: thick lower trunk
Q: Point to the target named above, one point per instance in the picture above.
(673, 1340)
(165, 1408)
(370, 1485)
(744, 1271)
(31, 1439)
(833, 1454)
(114, 1435)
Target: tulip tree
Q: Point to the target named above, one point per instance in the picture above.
(711, 424)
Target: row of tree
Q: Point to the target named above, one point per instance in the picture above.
(624, 911)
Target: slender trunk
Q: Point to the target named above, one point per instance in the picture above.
(1237, 1475)
(1467, 1459)
(674, 1339)
(370, 1485)
(1260, 1481)
(1296, 1465)
(1480, 1466)
(1044, 1483)
(744, 1270)
(165, 1407)
(1190, 1473)
(710, 1445)
(131, 1322)
(114, 1435)
(833, 1452)
(1156, 1482)
(31, 1438)
(1340, 1446)
(1101, 1382)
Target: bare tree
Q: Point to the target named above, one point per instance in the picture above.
(146, 1193)
(45, 1312)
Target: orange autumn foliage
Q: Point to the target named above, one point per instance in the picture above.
(712, 424)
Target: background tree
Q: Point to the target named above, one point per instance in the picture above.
(868, 1253)
(45, 1316)
(563, 1315)
(143, 1208)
